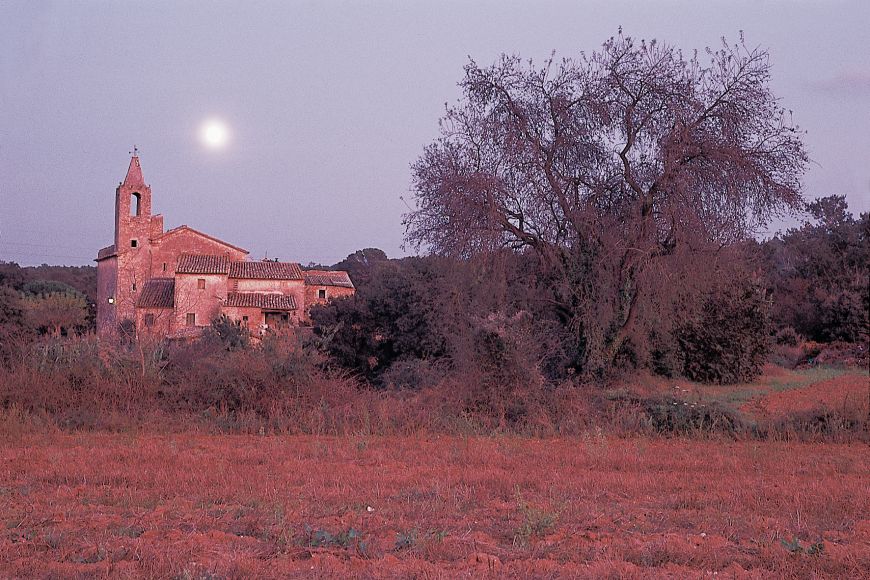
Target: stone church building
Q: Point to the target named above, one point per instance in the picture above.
(173, 283)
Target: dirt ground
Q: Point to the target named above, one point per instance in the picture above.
(199, 506)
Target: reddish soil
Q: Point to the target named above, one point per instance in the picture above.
(195, 506)
(848, 395)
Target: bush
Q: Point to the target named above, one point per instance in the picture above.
(787, 336)
(280, 386)
(230, 334)
(728, 342)
(397, 316)
(415, 374)
(677, 417)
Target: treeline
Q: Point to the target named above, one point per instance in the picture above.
(83, 279)
(713, 317)
(818, 275)
(474, 345)
(44, 300)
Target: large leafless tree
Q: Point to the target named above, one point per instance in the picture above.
(633, 152)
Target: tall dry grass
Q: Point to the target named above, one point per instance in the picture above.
(283, 386)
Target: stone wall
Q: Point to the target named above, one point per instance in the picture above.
(204, 303)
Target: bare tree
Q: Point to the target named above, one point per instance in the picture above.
(606, 164)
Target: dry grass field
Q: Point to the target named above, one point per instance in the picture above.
(199, 506)
(147, 501)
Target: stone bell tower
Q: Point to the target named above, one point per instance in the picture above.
(132, 208)
(124, 267)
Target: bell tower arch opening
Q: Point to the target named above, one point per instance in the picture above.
(135, 204)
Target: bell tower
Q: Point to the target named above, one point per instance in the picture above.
(124, 267)
(132, 209)
(128, 266)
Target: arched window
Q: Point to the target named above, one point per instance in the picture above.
(135, 203)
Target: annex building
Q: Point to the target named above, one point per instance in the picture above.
(173, 283)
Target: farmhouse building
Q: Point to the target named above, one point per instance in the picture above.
(173, 283)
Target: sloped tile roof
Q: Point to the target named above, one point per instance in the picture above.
(202, 264)
(106, 252)
(266, 270)
(186, 228)
(266, 301)
(327, 278)
(157, 293)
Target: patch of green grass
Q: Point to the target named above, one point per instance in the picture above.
(807, 377)
(737, 395)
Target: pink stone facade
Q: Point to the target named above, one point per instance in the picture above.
(173, 283)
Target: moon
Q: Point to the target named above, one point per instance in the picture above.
(214, 134)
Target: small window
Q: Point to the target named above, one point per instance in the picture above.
(134, 243)
(321, 293)
(164, 266)
(200, 283)
(133, 287)
(244, 321)
(191, 319)
(149, 320)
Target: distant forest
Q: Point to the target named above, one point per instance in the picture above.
(81, 278)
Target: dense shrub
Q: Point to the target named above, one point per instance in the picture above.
(819, 276)
(729, 341)
(228, 333)
(396, 317)
(678, 417)
(787, 336)
(496, 374)
(280, 386)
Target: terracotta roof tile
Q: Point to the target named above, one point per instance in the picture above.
(266, 270)
(328, 278)
(202, 264)
(157, 293)
(266, 301)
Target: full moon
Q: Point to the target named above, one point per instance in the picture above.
(214, 134)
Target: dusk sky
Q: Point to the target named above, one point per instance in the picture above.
(327, 104)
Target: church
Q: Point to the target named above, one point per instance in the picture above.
(174, 283)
